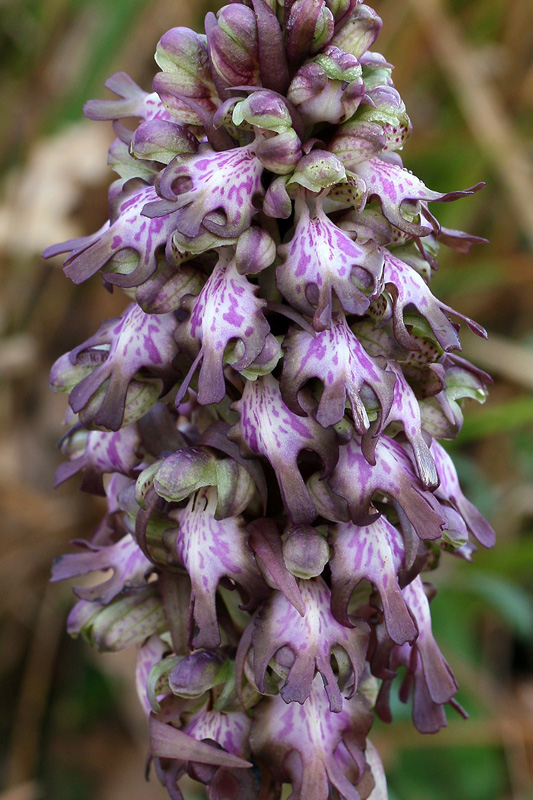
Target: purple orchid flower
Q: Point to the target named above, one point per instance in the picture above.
(263, 418)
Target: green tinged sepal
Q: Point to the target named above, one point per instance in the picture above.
(187, 470)
(318, 170)
(359, 32)
(127, 620)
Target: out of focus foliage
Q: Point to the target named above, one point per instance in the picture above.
(70, 729)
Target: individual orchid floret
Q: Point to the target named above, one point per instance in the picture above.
(388, 111)
(394, 186)
(128, 232)
(407, 288)
(265, 110)
(268, 428)
(192, 468)
(337, 358)
(211, 191)
(441, 411)
(233, 46)
(306, 644)
(376, 553)
(129, 619)
(359, 32)
(321, 259)
(226, 309)
(161, 140)
(120, 349)
(99, 453)
(329, 88)
(354, 483)
(450, 491)
(186, 86)
(129, 565)
(297, 743)
(428, 673)
(210, 549)
(134, 102)
(405, 410)
(309, 28)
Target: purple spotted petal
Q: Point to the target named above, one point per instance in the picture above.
(310, 638)
(129, 233)
(355, 480)
(125, 558)
(408, 288)
(210, 549)
(214, 191)
(226, 309)
(321, 259)
(393, 185)
(97, 453)
(136, 341)
(450, 491)
(134, 102)
(375, 553)
(230, 731)
(428, 676)
(339, 360)
(298, 743)
(405, 410)
(268, 428)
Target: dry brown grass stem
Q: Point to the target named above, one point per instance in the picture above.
(483, 109)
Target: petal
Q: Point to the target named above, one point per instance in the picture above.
(339, 360)
(321, 259)
(267, 427)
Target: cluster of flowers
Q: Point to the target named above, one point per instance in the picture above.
(263, 416)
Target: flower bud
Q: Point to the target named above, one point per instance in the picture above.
(161, 141)
(359, 32)
(309, 28)
(305, 551)
(233, 46)
(255, 251)
(328, 89)
(319, 170)
(183, 57)
(196, 674)
(122, 623)
(263, 109)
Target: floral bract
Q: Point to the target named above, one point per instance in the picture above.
(263, 417)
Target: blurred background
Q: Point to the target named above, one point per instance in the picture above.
(70, 728)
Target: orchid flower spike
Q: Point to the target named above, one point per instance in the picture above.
(263, 417)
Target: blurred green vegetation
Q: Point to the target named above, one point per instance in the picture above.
(69, 729)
